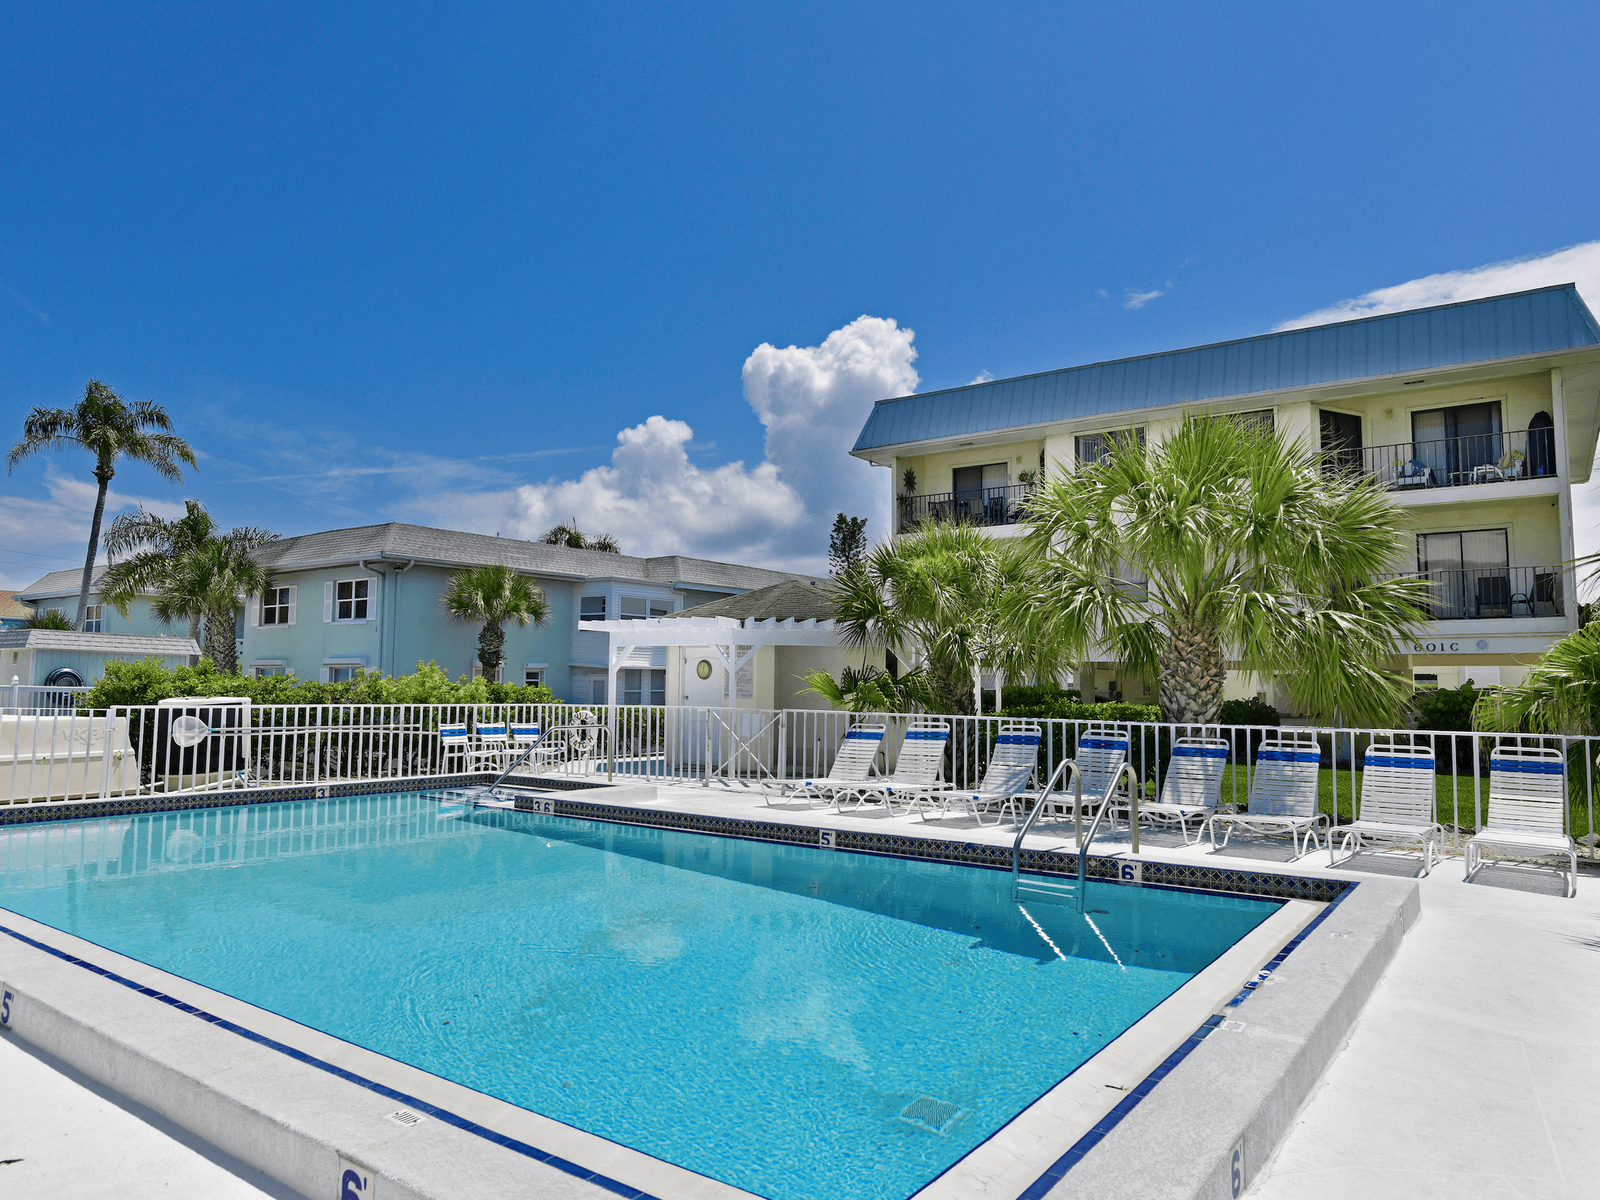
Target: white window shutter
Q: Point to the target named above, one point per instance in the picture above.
(374, 590)
(327, 605)
(255, 611)
(293, 591)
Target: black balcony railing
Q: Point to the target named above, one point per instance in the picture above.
(979, 506)
(1454, 462)
(1493, 592)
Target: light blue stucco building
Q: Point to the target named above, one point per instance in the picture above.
(370, 598)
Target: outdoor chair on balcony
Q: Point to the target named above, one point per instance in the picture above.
(1397, 802)
(1493, 597)
(1527, 809)
(1192, 789)
(1283, 794)
(915, 778)
(852, 766)
(1413, 474)
(1013, 763)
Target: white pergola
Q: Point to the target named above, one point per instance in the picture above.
(723, 635)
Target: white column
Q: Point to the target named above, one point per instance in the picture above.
(1569, 576)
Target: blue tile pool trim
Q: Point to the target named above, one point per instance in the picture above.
(1058, 1170)
(411, 1102)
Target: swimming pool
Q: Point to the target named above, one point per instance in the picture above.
(793, 1021)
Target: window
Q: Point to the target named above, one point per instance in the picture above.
(634, 683)
(342, 674)
(350, 599)
(660, 608)
(262, 670)
(1341, 440)
(1452, 441)
(1425, 681)
(597, 690)
(1260, 418)
(1469, 572)
(591, 608)
(1093, 447)
(635, 608)
(499, 672)
(94, 618)
(277, 606)
(532, 676)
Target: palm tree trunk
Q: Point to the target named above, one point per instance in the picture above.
(94, 546)
(219, 645)
(1192, 675)
(491, 649)
(194, 636)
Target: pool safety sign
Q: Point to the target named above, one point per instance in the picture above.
(355, 1181)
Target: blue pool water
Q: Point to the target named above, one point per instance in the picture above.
(797, 1022)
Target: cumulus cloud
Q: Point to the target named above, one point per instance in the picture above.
(59, 525)
(1576, 264)
(656, 499)
(982, 377)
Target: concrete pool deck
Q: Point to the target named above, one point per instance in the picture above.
(1465, 1075)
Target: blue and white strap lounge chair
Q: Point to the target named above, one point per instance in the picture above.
(1013, 763)
(1192, 789)
(915, 778)
(1283, 793)
(1527, 809)
(852, 766)
(1397, 802)
(453, 742)
(489, 752)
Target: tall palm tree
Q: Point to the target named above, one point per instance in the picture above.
(109, 429)
(568, 534)
(155, 546)
(1225, 543)
(494, 594)
(939, 597)
(213, 578)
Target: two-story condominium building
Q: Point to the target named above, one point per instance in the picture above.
(371, 598)
(1477, 417)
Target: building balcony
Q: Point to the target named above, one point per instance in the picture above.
(1493, 593)
(980, 506)
(1487, 458)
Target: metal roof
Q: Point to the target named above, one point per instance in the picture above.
(107, 643)
(1541, 321)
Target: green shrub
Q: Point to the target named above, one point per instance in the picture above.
(1447, 709)
(1247, 712)
(147, 681)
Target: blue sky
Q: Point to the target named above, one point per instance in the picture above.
(430, 262)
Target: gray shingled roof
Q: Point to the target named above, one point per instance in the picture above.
(95, 643)
(397, 541)
(781, 602)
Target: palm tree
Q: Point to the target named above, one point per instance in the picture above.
(47, 618)
(156, 546)
(568, 534)
(872, 690)
(212, 578)
(109, 429)
(1560, 695)
(494, 594)
(1225, 542)
(938, 596)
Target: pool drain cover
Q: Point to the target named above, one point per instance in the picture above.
(404, 1116)
(927, 1113)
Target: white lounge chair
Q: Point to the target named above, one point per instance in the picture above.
(852, 766)
(453, 743)
(915, 778)
(1527, 809)
(489, 751)
(1192, 789)
(1397, 802)
(1006, 782)
(1283, 793)
(1102, 760)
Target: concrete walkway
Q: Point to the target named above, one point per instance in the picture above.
(69, 1138)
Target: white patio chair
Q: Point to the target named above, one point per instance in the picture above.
(915, 778)
(1397, 802)
(1527, 809)
(1283, 793)
(453, 743)
(852, 766)
(525, 735)
(1192, 789)
(1013, 762)
(1102, 761)
(489, 751)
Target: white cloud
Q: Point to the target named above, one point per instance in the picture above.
(60, 524)
(1576, 264)
(1133, 299)
(812, 401)
(982, 377)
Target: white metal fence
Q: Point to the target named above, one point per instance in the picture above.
(53, 755)
(17, 698)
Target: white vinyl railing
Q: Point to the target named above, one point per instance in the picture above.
(204, 745)
(17, 697)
